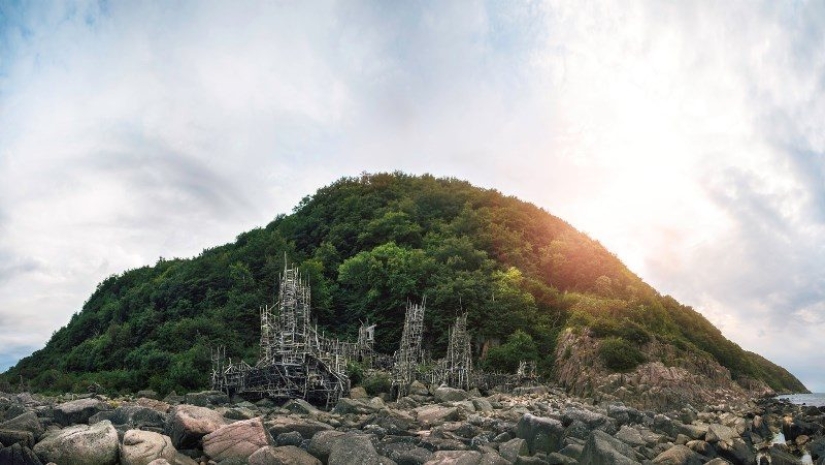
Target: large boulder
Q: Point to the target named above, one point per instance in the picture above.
(630, 436)
(434, 415)
(187, 424)
(237, 440)
(8, 438)
(77, 412)
(286, 424)
(455, 457)
(286, 455)
(592, 420)
(448, 394)
(204, 398)
(141, 447)
(18, 455)
(603, 449)
(26, 421)
(81, 445)
(678, 455)
(542, 434)
(779, 457)
(321, 444)
(512, 449)
(738, 452)
(353, 449)
(720, 433)
(131, 416)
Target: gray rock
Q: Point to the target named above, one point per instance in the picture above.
(434, 415)
(293, 438)
(405, 453)
(81, 444)
(702, 448)
(205, 398)
(353, 449)
(236, 440)
(131, 416)
(448, 394)
(77, 412)
(187, 424)
(720, 433)
(630, 436)
(358, 392)
(418, 389)
(542, 434)
(24, 438)
(305, 426)
(592, 420)
(482, 405)
(603, 449)
(347, 406)
(26, 421)
(779, 457)
(678, 455)
(557, 458)
(455, 457)
(285, 455)
(513, 448)
(737, 452)
(321, 443)
(141, 447)
(18, 455)
(301, 406)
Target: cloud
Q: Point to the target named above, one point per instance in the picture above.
(686, 137)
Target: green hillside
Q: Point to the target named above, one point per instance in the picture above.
(367, 245)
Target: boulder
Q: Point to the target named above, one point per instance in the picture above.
(81, 445)
(132, 417)
(482, 405)
(448, 394)
(455, 457)
(24, 438)
(396, 422)
(285, 455)
(286, 424)
(187, 424)
(542, 434)
(301, 406)
(204, 398)
(624, 415)
(358, 392)
(141, 447)
(417, 388)
(346, 406)
(26, 421)
(720, 433)
(513, 448)
(737, 452)
(18, 455)
(678, 455)
(159, 462)
(603, 449)
(630, 436)
(817, 448)
(237, 440)
(293, 438)
(77, 412)
(353, 449)
(321, 444)
(592, 420)
(405, 453)
(434, 415)
(779, 457)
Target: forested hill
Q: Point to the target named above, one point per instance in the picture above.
(367, 245)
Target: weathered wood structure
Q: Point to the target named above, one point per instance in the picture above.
(296, 361)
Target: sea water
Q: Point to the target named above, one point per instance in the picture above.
(816, 400)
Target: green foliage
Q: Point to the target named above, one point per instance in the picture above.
(619, 354)
(368, 244)
(506, 357)
(377, 383)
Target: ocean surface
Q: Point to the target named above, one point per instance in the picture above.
(817, 400)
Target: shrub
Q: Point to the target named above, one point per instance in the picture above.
(619, 354)
(376, 383)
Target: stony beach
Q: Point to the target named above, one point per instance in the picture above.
(536, 425)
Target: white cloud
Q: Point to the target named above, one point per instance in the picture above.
(685, 137)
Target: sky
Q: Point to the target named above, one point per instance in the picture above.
(686, 137)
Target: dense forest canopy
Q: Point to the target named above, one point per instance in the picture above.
(367, 245)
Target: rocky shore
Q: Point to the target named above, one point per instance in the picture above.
(446, 426)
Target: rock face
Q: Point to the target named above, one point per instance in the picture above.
(18, 455)
(81, 445)
(141, 447)
(77, 412)
(187, 424)
(286, 455)
(237, 440)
